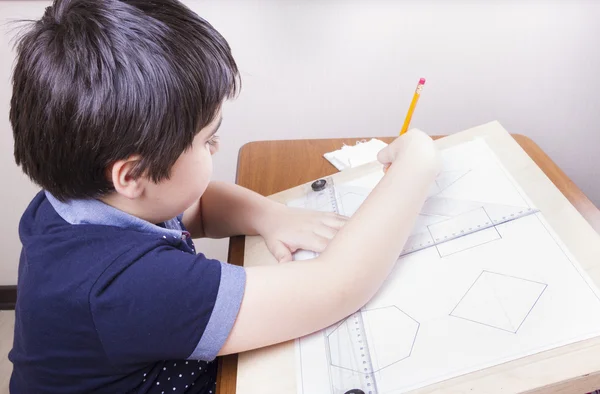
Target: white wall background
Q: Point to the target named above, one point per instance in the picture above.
(335, 68)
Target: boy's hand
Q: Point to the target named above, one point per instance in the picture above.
(414, 140)
(287, 230)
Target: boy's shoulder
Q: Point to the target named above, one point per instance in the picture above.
(95, 245)
(87, 240)
(93, 231)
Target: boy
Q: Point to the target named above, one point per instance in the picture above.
(114, 113)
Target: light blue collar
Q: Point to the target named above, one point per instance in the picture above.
(94, 211)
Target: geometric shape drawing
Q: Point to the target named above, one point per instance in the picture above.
(447, 178)
(388, 334)
(496, 316)
(499, 301)
(365, 343)
(448, 207)
(462, 244)
(445, 219)
(459, 225)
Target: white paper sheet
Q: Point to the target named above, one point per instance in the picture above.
(349, 156)
(483, 280)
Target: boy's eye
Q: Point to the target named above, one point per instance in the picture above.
(213, 141)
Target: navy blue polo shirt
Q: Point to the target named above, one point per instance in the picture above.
(110, 303)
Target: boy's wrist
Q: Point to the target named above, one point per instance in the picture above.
(267, 219)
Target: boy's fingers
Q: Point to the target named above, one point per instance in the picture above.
(325, 232)
(385, 156)
(336, 222)
(279, 250)
(316, 243)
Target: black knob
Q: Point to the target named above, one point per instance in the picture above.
(319, 185)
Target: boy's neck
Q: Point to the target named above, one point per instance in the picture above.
(135, 207)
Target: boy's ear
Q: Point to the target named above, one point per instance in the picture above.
(125, 184)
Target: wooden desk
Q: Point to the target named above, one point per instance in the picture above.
(268, 167)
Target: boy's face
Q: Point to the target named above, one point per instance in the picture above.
(189, 178)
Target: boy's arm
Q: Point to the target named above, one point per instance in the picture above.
(226, 210)
(286, 301)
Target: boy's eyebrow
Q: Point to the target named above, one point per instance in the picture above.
(214, 131)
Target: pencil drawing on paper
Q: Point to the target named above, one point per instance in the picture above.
(380, 323)
(448, 213)
(452, 221)
(499, 301)
(359, 348)
(481, 280)
(447, 178)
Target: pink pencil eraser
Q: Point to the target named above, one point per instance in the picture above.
(422, 81)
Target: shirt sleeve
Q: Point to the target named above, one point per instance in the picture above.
(166, 305)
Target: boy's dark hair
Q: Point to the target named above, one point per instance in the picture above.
(99, 81)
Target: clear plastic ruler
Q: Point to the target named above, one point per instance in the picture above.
(351, 367)
(444, 219)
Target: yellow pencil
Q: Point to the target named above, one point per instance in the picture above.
(411, 109)
(413, 104)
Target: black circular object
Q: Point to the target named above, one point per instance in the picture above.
(355, 391)
(318, 186)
